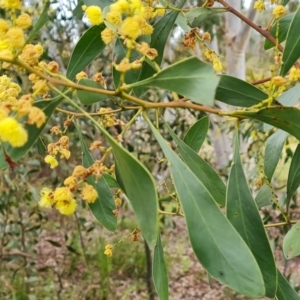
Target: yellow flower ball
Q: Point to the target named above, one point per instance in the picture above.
(217, 65)
(3, 27)
(89, 194)
(16, 37)
(24, 21)
(121, 6)
(46, 198)
(130, 28)
(13, 132)
(279, 11)
(51, 160)
(107, 35)
(259, 5)
(114, 18)
(94, 15)
(13, 4)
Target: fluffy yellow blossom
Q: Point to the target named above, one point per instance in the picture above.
(279, 11)
(147, 29)
(121, 6)
(3, 28)
(81, 75)
(16, 37)
(13, 132)
(130, 28)
(94, 14)
(79, 171)
(64, 153)
(108, 35)
(62, 194)
(46, 198)
(89, 194)
(123, 66)
(31, 54)
(66, 207)
(36, 116)
(217, 65)
(12, 4)
(136, 7)
(51, 160)
(108, 250)
(294, 74)
(149, 12)
(259, 5)
(160, 11)
(210, 55)
(114, 18)
(70, 182)
(23, 107)
(278, 81)
(24, 21)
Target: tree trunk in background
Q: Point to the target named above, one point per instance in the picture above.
(236, 40)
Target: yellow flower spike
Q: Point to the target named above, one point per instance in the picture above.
(24, 21)
(51, 160)
(130, 28)
(279, 11)
(94, 14)
(13, 132)
(89, 194)
(108, 35)
(46, 198)
(108, 250)
(259, 5)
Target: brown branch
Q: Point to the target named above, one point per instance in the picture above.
(260, 81)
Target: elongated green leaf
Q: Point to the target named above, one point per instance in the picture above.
(242, 212)
(198, 15)
(48, 106)
(285, 118)
(196, 135)
(139, 186)
(291, 242)
(190, 77)
(284, 24)
(212, 236)
(104, 205)
(294, 175)
(182, 22)
(203, 171)
(237, 92)
(284, 290)
(120, 51)
(86, 50)
(291, 51)
(86, 97)
(273, 151)
(112, 182)
(159, 271)
(40, 23)
(264, 196)
(290, 97)
(159, 37)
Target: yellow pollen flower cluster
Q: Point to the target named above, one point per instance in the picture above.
(259, 5)
(108, 250)
(279, 11)
(13, 132)
(89, 194)
(11, 4)
(24, 21)
(294, 74)
(94, 14)
(60, 147)
(213, 57)
(61, 198)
